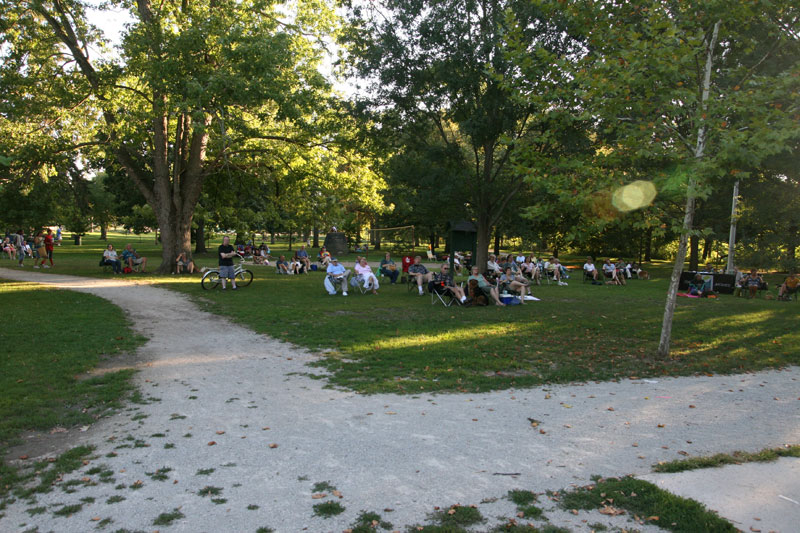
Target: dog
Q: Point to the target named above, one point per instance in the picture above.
(644, 274)
(476, 296)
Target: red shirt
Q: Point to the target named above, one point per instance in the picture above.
(48, 243)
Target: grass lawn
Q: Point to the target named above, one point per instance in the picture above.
(398, 342)
(49, 338)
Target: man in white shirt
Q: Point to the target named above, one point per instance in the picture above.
(590, 269)
(336, 273)
(492, 266)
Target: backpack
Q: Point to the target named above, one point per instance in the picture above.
(127, 270)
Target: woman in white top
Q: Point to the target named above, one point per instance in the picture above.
(364, 272)
(110, 258)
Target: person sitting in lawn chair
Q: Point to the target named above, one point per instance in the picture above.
(324, 257)
(589, 270)
(789, 287)
(485, 285)
(530, 269)
(493, 267)
(302, 256)
(442, 283)
(418, 272)
(388, 268)
(336, 277)
(282, 266)
(132, 259)
(555, 270)
(297, 266)
(754, 283)
(610, 272)
(509, 282)
(365, 277)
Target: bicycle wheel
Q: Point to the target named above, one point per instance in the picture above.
(210, 280)
(244, 278)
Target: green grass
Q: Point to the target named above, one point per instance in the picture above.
(368, 522)
(323, 486)
(328, 509)
(722, 459)
(209, 491)
(397, 342)
(49, 338)
(656, 506)
(457, 516)
(165, 519)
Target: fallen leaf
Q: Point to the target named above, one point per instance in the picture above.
(652, 518)
(547, 397)
(212, 443)
(451, 511)
(390, 413)
(95, 518)
(318, 496)
(220, 432)
(681, 452)
(566, 406)
(337, 494)
(661, 425)
(265, 428)
(611, 511)
(273, 445)
(23, 457)
(610, 409)
(573, 511)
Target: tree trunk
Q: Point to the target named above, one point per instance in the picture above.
(291, 234)
(484, 235)
(708, 243)
(316, 237)
(694, 251)
(200, 237)
(103, 232)
(688, 218)
(648, 248)
(497, 242)
(434, 243)
(732, 233)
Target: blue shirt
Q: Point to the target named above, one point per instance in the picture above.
(302, 253)
(335, 269)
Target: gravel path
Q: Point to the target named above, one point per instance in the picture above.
(224, 398)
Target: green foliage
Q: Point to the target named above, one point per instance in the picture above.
(166, 519)
(328, 509)
(673, 513)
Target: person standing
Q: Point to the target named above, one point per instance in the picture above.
(226, 252)
(49, 243)
(38, 245)
(58, 236)
(19, 242)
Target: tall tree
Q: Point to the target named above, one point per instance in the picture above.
(445, 62)
(706, 86)
(162, 109)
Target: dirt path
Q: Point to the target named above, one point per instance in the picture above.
(210, 381)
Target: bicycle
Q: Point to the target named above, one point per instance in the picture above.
(242, 276)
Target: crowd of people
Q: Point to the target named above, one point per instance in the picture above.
(38, 246)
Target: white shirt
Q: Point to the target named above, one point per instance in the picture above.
(110, 254)
(491, 265)
(588, 267)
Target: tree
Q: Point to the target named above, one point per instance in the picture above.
(446, 63)
(707, 87)
(163, 111)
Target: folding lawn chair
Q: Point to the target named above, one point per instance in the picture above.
(441, 294)
(360, 283)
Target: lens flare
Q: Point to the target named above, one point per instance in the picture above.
(634, 195)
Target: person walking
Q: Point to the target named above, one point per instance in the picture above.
(226, 252)
(49, 243)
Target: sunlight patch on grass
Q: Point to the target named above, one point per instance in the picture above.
(460, 334)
